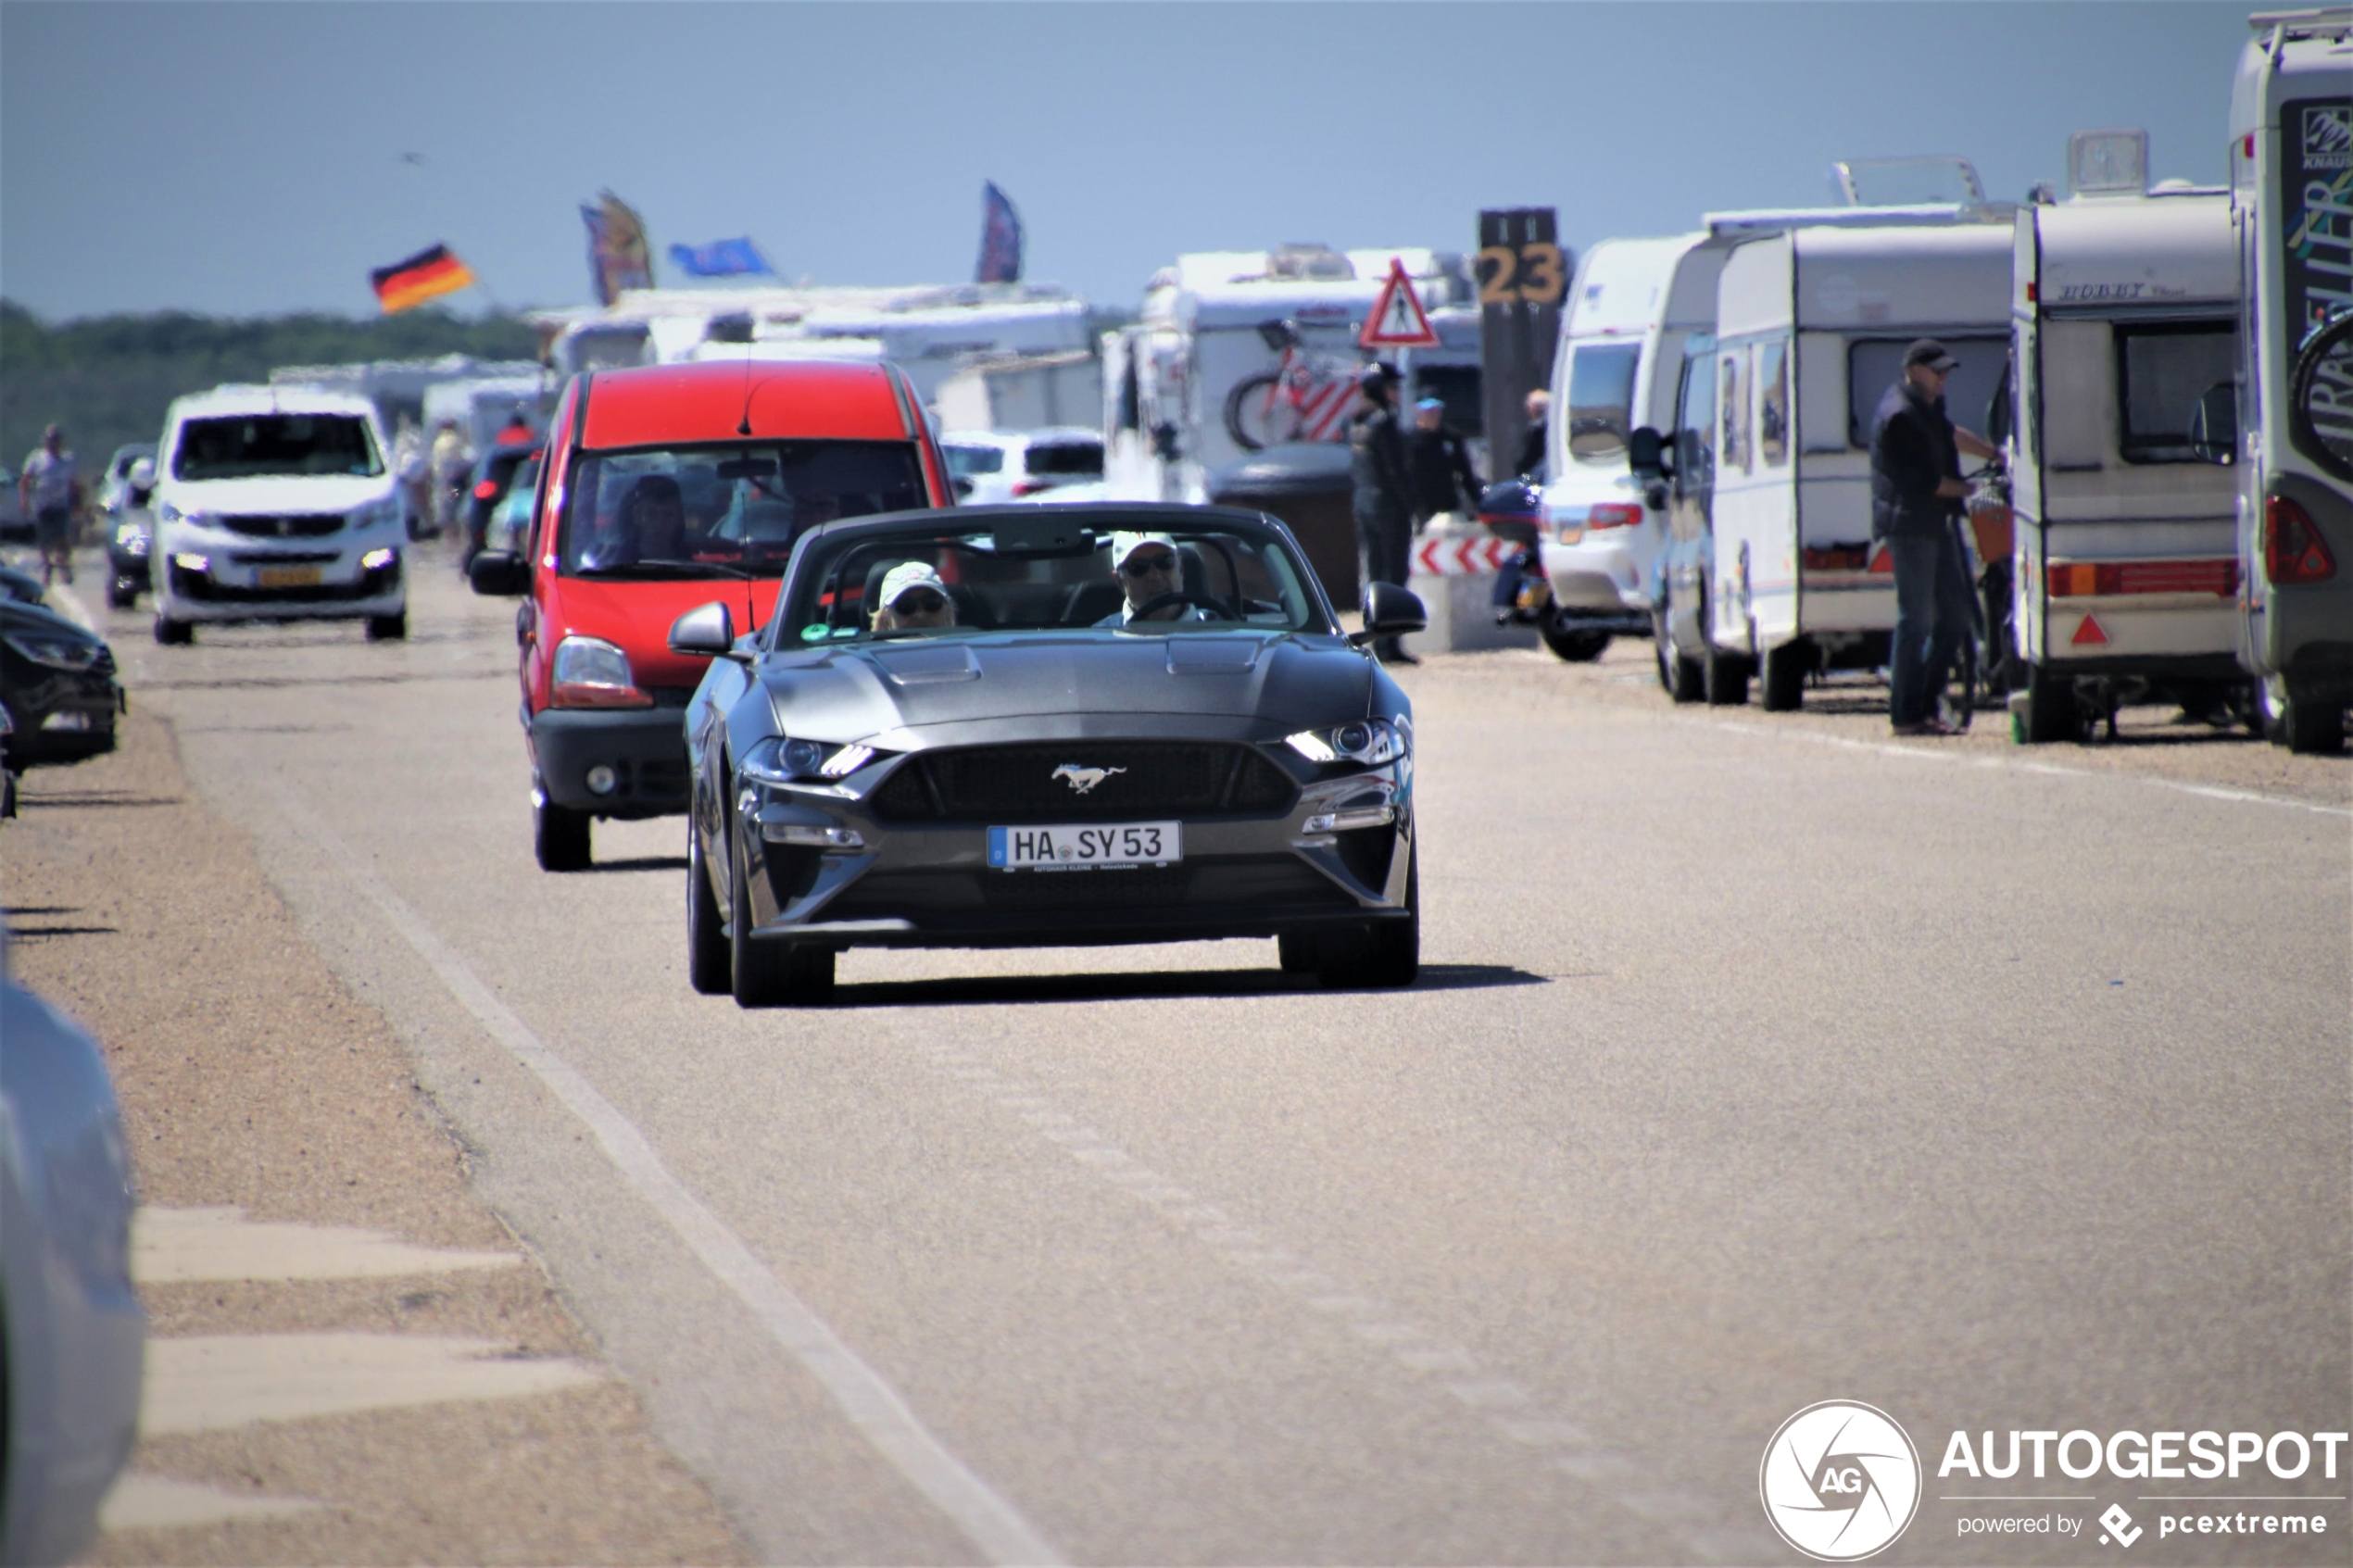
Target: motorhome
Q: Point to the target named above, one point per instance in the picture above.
(1811, 326)
(1236, 351)
(2292, 193)
(2123, 327)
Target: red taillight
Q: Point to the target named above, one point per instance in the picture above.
(486, 490)
(2083, 579)
(2294, 551)
(2032, 294)
(1031, 486)
(1613, 514)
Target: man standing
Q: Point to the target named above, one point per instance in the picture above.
(1443, 479)
(50, 489)
(1915, 503)
(1531, 442)
(1383, 499)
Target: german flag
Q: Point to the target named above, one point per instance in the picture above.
(429, 274)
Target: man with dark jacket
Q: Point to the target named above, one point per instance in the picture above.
(1443, 478)
(1383, 500)
(1532, 461)
(1916, 501)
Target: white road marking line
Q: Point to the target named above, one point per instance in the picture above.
(213, 1382)
(169, 1246)
(156, 1502)
(2047, 770)
(865, 1400)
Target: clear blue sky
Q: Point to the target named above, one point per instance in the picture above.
(247, 158)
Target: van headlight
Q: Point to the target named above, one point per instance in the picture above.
(1370, 742)
(591, 672)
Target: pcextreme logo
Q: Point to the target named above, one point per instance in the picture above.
(1840, 1480)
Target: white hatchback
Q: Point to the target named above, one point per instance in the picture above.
(276, 503)
(1029, 465)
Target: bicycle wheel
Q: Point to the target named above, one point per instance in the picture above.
(1254, 410)
(1960, 686)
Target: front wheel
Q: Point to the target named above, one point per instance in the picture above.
(390, 628)
(1388, 956)
(1575, 647)
(1782, 688)
(560, 837)
(1682, 678)
(709, 965)
(1252, 409)
(173, 634)
(771, 974)
(2303, 725)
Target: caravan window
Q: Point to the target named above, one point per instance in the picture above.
(1733, 406)
(1772, 391)
(1875, 364)
(1600, 399)
(1695, 422)
(2161, 372)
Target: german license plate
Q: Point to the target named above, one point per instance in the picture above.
(1086, 845)
(289, 576)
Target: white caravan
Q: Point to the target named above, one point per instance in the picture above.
(1811, 328)
(1240, 350)
(2292, 186)
(2124, 556)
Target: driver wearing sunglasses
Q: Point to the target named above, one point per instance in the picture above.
(914, 599)
(1152, 578)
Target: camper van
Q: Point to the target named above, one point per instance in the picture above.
(1238, 351)
(2125, 572)
(2291, 191)
(1811, 325)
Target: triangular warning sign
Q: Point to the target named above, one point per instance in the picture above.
(2089, 634)
(1397, 320)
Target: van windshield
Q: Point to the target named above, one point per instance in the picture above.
(724, 510)
(1876, 364)
(276, 446)
(1600, 399)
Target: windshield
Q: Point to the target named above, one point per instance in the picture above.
(1600, 399)
(951, 579)
(257, 446)
(965, 462)
(724, 510)
(1066, 460)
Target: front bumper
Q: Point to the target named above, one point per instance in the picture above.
(929, 884)
(352, 583)
(644, 747)
(1603, 574)
(61, 716)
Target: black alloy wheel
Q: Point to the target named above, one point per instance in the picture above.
(771, 974)
(710, 965)
(1575, 647)
(1384, 956)
(559, 836)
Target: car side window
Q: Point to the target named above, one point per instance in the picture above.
(1732, 404)
(1772, 411)
(1696, 426)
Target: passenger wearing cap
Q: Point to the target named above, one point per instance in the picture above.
(913, 598)
(1916, 495)
(1445, 481)
(1149, 569)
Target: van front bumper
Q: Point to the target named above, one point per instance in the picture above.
(639, 754)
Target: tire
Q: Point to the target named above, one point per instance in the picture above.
(710, 965)
(1243, 422)
(1386, 956)
(173, 634)
(2311, 729)
(772, 973)
(2044, 709)
(1960, 686)
(560, 837)
(1782, 688)
(1575, 647)
(392, 628)
(1724, 679)
(1682, 678)
(1296, 952)
(121, 594)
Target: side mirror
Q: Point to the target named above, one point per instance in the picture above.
(705, 631)
(2214, 424)
(500, 574)
(1391, 611)
(1646, 454)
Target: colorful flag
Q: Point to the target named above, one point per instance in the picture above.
(619, 256)
(999, 237)
(429, 274)
(721, 258)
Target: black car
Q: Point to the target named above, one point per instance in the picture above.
(1068, 725)
(21, 588)
(58, 683)
(494, 472)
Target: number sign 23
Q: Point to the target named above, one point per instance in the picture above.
(1530, 275)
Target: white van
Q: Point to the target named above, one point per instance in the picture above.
(2291, 171)
(1627, 314)
(276, 503)
(2125, 572)
(1811, 327)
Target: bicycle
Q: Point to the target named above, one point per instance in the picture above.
(1980, 674)
(1306, 396)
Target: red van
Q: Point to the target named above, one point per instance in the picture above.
(665, 488)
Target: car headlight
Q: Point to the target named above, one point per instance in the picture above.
(57, 651)
(781, 761)
(186, 562)
(1368, 741)
(169, 513)
(591, 672)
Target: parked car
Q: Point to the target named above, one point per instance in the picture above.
(493, 476)
(276, 503)
(991, 466)
(1021, 750)
(670, 483)
(72, 1341)
(116, 481)
(58, 683)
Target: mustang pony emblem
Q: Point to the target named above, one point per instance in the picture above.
(1080, 779)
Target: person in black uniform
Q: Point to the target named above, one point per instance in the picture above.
(1443, 478)
(1383, 501)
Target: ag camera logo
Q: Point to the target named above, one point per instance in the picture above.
(1840, 1480)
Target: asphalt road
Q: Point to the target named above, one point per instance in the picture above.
(1756, 1062)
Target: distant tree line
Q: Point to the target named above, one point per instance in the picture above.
(107, 378)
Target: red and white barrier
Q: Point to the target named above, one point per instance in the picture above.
(1461, 558)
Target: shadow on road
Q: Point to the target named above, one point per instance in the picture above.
(34, 933)
(1147, 984)
(96, 797)
(640, 863)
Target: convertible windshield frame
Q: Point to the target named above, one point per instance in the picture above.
(1047, 591)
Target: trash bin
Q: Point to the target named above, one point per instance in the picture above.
(1307, 485)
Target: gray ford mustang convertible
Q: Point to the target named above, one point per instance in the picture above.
(998, 726)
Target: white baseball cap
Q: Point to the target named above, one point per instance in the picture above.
(1125, 545)
(911, 574)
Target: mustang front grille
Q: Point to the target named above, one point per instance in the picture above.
(1085, 781)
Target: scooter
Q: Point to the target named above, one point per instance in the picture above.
(1513, 510)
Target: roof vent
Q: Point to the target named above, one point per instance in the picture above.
(2108, 163)
(1310, 262)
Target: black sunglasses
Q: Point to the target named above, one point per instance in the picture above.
(919, 601)
(1147, 565)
